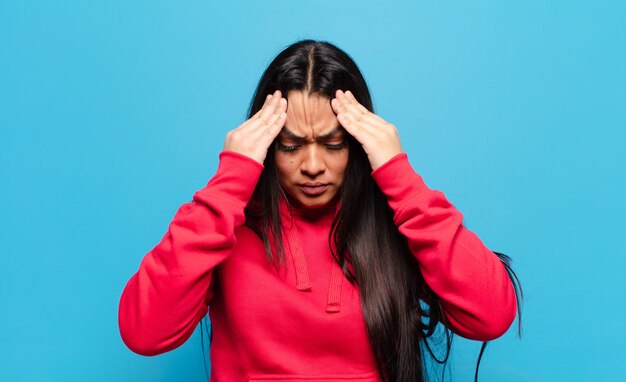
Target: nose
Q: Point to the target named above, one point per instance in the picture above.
(312, 164)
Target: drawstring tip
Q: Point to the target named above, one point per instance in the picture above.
(303, 286)
(332, 308)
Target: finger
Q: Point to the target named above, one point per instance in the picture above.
(339, 105)
(352, 106)
(356, 120)
(257, 120)
(270, 106)
(355, 115)
(354, 101)
(265, 103)
(255, 115)
(347, 99)
(275, 128)
(278, 111)
(277, 105)
(360, 132)
(346, 119)
(336, 105)
(367, 113)
(262, 124)
(267, 134)
(350, 123)
(355, 125)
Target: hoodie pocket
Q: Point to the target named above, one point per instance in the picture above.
(371, 376)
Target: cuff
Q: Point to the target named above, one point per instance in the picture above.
(235, 179)
(398, 180)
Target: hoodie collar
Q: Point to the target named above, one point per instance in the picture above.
(303, 282)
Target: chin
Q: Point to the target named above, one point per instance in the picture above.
(314, 203)
(309, 202)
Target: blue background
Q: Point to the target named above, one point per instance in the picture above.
(112, 115)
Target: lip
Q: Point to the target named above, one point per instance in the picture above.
(313, 188)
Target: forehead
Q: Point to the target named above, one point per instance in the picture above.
(309, 115)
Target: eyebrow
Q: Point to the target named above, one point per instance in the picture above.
(322, 137)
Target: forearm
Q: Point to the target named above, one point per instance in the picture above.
(476, 293)
(166, 298)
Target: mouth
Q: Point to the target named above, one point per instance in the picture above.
(313, 189)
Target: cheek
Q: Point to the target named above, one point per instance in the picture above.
(285, 166)
(340, 164)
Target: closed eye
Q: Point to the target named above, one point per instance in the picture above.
(289, 148)
(337, 146)
(286, 148)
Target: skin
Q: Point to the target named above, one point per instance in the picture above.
(313, 157)
(311, 148)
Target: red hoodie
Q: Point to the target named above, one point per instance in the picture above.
(304, 322)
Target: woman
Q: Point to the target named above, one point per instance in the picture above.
(322, 254)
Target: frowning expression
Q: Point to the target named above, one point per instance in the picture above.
(312, 151)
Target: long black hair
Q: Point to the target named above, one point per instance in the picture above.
(398, 321)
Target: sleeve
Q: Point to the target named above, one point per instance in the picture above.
(165, 299)
(476, 293)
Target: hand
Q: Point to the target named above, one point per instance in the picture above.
(378, 137)
(253, 137)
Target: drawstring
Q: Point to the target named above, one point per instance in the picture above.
(299, 262)
(334, 289)
(303, 282)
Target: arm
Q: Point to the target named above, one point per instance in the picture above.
(163, 302)
(476, 293)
